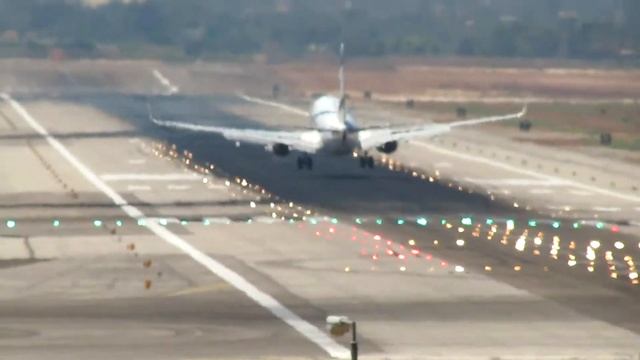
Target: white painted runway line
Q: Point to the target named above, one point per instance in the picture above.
(171, 89)
(580, 193)
(311, 332)
(174, 187)
(606, 209)
(541, 191)
(537, 175)
(137, 161)
(443, 165)
(138, 188)
(150, 177)
(217, 187)
(285, 107)
(515, 182)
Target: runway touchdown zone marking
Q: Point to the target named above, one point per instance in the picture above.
(150, 177)
(265, 300)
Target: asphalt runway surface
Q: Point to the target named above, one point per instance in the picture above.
(512, 302)
(338, 187)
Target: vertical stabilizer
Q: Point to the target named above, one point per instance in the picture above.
(341, 73)
(343, 98)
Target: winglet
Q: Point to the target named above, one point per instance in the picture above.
(524, 111)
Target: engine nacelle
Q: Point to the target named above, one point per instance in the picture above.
(388, 147)
(281, 149)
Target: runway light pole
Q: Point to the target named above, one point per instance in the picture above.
(340, 325)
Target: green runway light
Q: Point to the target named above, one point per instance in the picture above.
(511, 224)
(600, 225)
(163, 222)
(184, 222)
(206, 222)
(400, 221)
(422, 221)
(556, 225)
(11, 224)
(315, 222)
(489, 221)
(576, 225)
(467, 221)
(379, 221)
(334, 221)
(55, 223)
(358, 221)
(533, 223)
(97, 223)
(119, 223)
(141, 222)
(443, 222)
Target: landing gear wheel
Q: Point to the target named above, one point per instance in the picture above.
(305, 161)
(366, 162)
(370, 162)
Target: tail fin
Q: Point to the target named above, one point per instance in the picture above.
(343, 95)
(341, 73)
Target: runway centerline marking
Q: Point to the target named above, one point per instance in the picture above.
(150, 177)
(309, 331)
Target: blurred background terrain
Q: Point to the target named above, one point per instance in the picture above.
(169, 29)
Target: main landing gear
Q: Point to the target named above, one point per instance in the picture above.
(305, 162)
(366, 161)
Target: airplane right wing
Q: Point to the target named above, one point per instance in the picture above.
(306, 141)
(371, 138)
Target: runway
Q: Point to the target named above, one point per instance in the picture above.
(431, 264)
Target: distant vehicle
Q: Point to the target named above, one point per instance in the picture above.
(335, 131)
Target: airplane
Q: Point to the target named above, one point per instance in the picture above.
(335, 131)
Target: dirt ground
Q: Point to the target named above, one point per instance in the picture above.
(400, 79)
(569, 106)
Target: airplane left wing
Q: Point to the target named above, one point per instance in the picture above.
(371, 138)
(306, 141)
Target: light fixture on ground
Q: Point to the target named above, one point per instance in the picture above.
(339, 325)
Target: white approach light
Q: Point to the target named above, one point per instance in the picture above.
(521, 243)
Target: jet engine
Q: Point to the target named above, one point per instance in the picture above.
(388, 147)
(281, 149)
